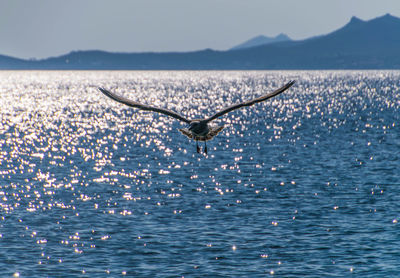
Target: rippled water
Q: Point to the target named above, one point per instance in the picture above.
(304, 185)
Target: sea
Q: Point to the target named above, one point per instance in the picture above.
(306, 184)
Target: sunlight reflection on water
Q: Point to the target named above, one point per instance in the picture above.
(291, 186)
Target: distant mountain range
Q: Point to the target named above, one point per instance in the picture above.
(261, 40)
(373, 44)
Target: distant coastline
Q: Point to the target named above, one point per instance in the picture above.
(373, 44)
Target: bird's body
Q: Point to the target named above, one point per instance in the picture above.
(199, 129)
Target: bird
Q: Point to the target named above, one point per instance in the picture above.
(198, 129)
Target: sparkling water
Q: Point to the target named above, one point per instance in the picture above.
(305, 184)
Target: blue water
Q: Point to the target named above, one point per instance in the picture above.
(307, 184)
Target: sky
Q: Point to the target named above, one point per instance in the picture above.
(45, 28)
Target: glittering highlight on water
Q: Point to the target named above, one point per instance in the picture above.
(306, 184)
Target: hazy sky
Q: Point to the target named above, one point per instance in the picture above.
(43, 28)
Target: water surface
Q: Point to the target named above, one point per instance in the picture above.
(306, 184)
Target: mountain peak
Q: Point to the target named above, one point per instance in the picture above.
(387, 18)
(388, 15)
(355, 19)
(282, 37)
(261, 40)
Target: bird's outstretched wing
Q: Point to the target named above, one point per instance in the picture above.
(143, 106)
(250, 102)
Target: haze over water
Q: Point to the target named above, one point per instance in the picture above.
(306, 184)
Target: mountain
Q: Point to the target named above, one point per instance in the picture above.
(373, 44)
(9, 63)
(261, 40)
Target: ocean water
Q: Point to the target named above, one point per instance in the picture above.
(304, 185)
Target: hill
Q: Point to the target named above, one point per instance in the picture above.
(10, 63)
(261, 40)
(373, 44)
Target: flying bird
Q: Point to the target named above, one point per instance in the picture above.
(199, 129)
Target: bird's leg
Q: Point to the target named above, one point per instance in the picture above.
(197, 146)
(205, 147)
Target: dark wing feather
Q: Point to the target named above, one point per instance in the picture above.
(143, 106)
(251, 102)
